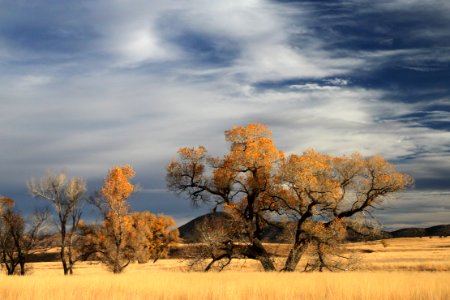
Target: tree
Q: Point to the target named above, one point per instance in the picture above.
(18, 241)
(332, 194)
(215, 249)
(239, 181)
(111, 241)
(152, 235)
(66, 196)
(319, 195)
(124, 237)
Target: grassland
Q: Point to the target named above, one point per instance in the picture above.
(399, 269)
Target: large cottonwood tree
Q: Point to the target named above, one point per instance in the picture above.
(318, 195)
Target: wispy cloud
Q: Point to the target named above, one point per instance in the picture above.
(108, 82)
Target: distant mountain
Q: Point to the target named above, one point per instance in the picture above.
(439, 230)
(190, 232)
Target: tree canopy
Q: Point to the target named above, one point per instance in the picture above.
(318, 196)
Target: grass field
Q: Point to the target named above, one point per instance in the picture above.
(400, 269)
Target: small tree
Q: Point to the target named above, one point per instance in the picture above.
(18, 241)
(152, 235)
(123, 237)
(111, 240)
(66, 196)
(216, 249)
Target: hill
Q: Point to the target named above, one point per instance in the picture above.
(439, 230)
(190, 232)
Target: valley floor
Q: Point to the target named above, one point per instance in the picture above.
(407, 268)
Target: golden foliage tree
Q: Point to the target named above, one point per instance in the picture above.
(239, 181)
(111, 241)
(124, 237)
(320, 195)
(152, 235)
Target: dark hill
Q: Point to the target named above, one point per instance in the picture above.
(439, 230)
(408, 232)
(190, 231)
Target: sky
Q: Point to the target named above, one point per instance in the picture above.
(87, 85)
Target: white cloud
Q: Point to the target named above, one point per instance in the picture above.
(141, 95)
(313, 86)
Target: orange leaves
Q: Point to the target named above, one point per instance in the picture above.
(330, 181)
(124, 237)
(252, 149)
(383, 175)
(5, 203)
(309, 178)
(250, 133)
(117, 187)
(254, 166)
(192, 153)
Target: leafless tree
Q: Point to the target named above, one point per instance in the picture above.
(19, 240)
(217, 244)
(66, 196)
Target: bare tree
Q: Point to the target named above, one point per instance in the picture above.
(216, 246)
(19, 240)
(66, 196)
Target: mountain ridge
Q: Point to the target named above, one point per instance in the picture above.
(190, 231)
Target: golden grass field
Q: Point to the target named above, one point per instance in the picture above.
(409, 268)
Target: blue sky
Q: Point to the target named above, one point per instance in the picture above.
(87, 85)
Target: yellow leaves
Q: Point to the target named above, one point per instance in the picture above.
(192, 153)
(310, 176)
(6, 202)
(249, 133)
(252, 149)
(116, 186)
(382, 175)
(151, 235)
(223, 177)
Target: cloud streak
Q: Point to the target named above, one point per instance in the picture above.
(106, 83)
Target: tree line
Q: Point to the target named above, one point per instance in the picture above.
(121, 238)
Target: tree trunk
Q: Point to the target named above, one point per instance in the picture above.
(258, 251)
(71, 262)
(10, 268)
(22, 267)
(294, 257)
(62, 252)
(116, 269)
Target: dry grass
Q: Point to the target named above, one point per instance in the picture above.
(230, 285)
(391, 272)
(405, 254)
